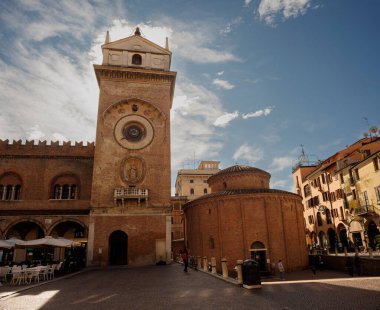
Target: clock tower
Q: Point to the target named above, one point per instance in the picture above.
(130, 220)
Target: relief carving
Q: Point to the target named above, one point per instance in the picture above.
(133, 170)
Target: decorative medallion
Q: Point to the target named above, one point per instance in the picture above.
(133, 170)
(133, 132)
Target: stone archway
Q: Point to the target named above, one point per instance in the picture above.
(118, 248)
(24, 230)
(258, 253)
(333, 242)
(372, 232)
(343, 236)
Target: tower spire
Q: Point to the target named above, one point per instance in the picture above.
(137, 32)
(107, 37)
(167, 43)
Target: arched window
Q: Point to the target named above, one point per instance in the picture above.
(65, 187)
(136, 59)
(10, 187)
(328, 216)
(319, 218)
(205, 191)
(65, 191)
(191, 191)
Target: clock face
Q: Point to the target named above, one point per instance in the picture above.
(133, 132)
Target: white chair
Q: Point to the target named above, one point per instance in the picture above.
(18, 275)
(58, 267)
(43, 273)
(33, 274)
(51, 270)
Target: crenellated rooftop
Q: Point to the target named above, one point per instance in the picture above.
(22, 148)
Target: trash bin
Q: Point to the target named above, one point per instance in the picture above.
(251, 274)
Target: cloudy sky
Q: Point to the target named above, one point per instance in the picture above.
(255, 78)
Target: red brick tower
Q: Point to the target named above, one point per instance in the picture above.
(130, 200)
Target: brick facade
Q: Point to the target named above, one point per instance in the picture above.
(234, 223)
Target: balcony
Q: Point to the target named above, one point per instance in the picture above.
(122, 194)
(367, 210)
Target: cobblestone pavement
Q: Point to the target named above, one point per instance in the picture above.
(168, 287)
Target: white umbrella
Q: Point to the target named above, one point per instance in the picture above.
(15, 241)
(50, 241)
(4, 244)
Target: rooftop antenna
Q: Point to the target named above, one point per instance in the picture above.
(366, 120)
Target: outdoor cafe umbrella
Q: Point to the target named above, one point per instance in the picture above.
(16, 242)
(4, 244)
(51, 242)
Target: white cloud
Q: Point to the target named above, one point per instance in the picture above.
(281, 163)
(220, 73)
(231, 25)
(258, 113)
(225, 119)
(223, 84)
(248, 153)
(269, 10)
(35, 133)
(192, 124)
(247, 2)
(278, 183)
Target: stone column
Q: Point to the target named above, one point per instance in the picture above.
(345, 251)
(224, 268)
(13, 192)
(239, 264)
(336, 251)
(205, 263)
(213, 265)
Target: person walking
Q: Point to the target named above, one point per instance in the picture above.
(281, 269)
(185, 258)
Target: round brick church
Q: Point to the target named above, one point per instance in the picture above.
(243, 218)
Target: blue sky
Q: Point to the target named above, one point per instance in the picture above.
(256, 79)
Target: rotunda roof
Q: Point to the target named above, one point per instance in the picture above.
(240, 169)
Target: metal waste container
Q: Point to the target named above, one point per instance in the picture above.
(251, 274)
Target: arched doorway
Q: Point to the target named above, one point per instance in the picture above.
(332, 239)
(258, 253)
(372, 232)
(118, 248)
(343, 236)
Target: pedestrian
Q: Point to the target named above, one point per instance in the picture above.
(185, 258)
(281, 269)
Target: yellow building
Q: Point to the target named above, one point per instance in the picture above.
(363, 181)
(331, 207)
(193, 182)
